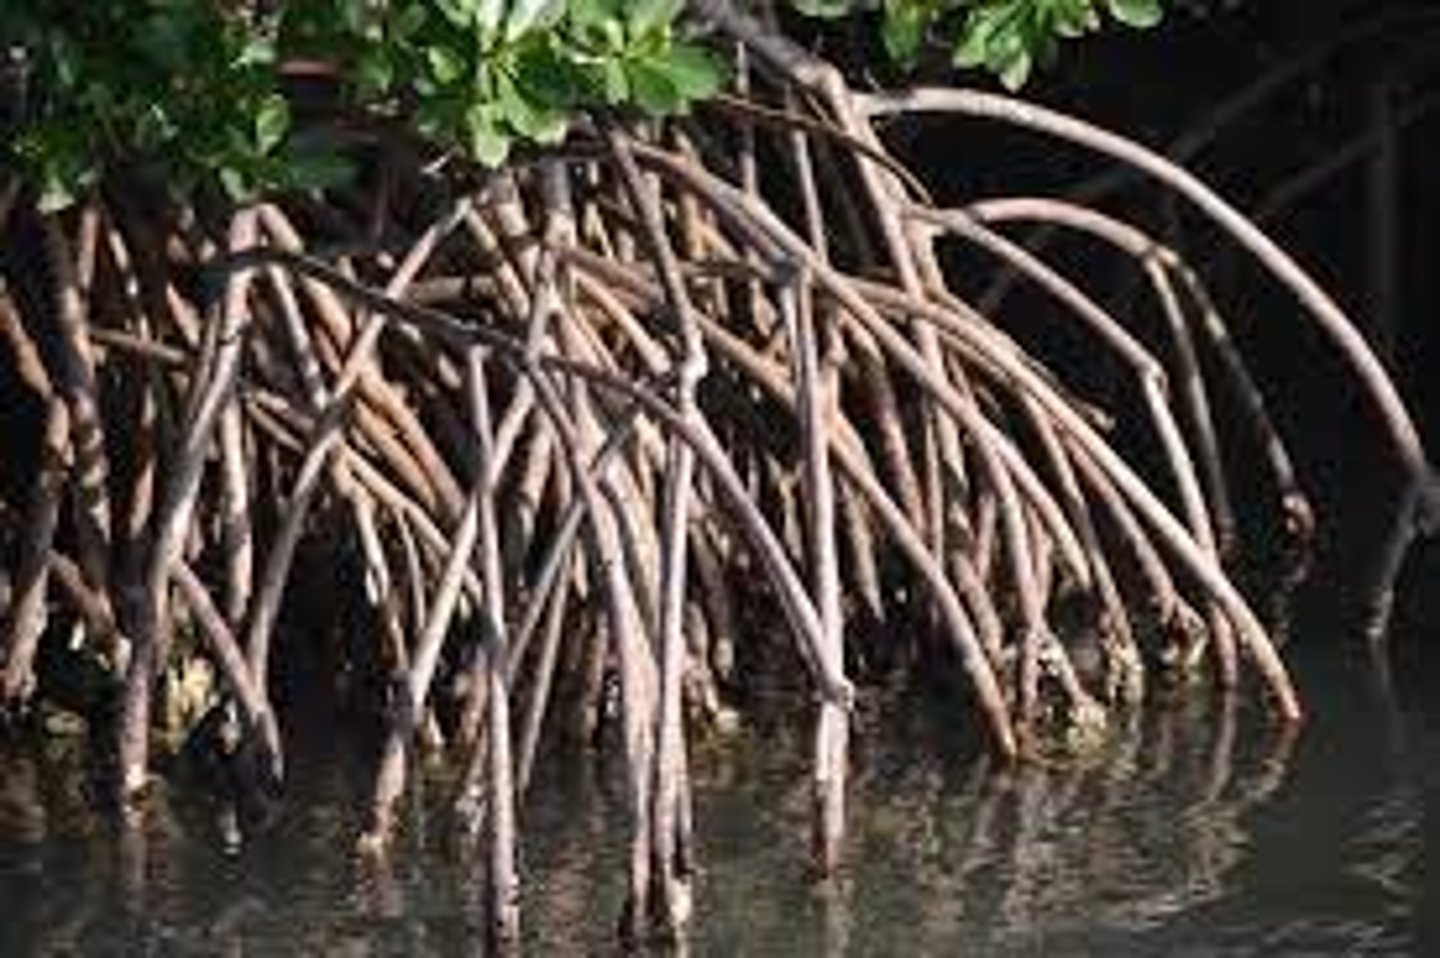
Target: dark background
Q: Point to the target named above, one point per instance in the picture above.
(1370, 233)
(1363, 98)
(1375, 247)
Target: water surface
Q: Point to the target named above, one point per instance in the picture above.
(1199, 829)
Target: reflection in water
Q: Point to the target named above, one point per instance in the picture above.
(1149, 827)
(1199, 830)
(1194, 829)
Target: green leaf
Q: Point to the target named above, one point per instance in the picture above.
(487, 142)
(614, 81)
(528, 119)
(460, 13)
(1015, 70)
(548, 77)
(374, 73)
(529, 15)
(695, 73)
(405, 22)
(56, 193)
(257, 51)
(435, 119)
(1071, 19)
(488, 17)
(446, 65)
(970, 51)
(235, 184)
(551, 128)
(1141, 14)
(644, 16)
(272, 122)
(652, 88)
(973, 50)
(596, 14)
(903, 30)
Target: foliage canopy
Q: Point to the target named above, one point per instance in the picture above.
(198, 88)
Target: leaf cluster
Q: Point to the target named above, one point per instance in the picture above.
(480, 76)
(186, 84)
(1006, 37)
(197, 87)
